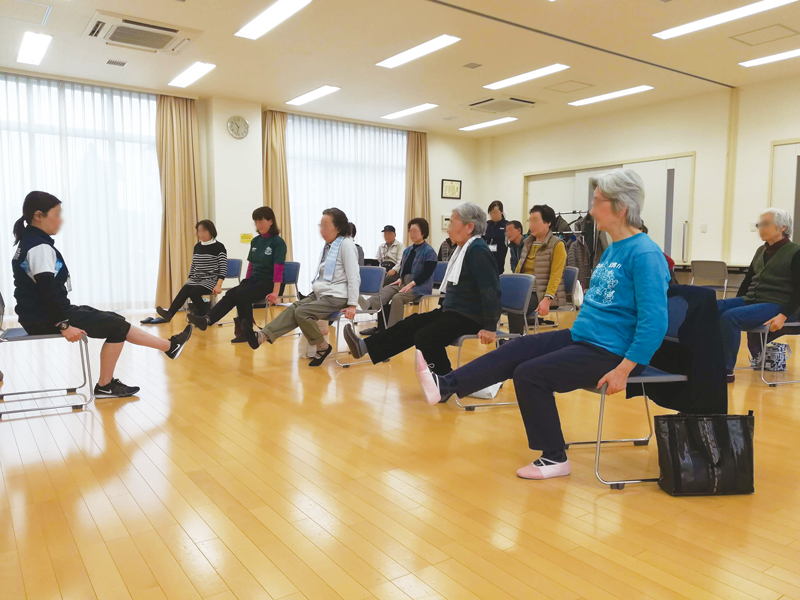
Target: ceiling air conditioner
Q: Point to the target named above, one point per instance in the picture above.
(501, 105)
(138, 34)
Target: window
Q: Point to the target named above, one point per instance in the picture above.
(360, 169)
(94, 148)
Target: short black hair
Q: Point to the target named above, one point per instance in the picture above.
(339, 219)
(423, 226)
(497, 204)
(548, 214)
(643, 228)
(208, 226)
(265, 213)
(516, 224)
(353, 230)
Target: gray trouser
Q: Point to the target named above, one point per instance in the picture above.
(390, 294)
(304, 314)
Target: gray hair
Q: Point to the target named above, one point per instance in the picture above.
(625, 189)
(472, 213)
(781, 218)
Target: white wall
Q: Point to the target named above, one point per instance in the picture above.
(451, 157)
(697, 124)
(767, 113)
(232, 170)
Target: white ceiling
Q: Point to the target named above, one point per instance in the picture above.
(338, 42)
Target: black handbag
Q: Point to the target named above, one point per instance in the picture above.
(703, 455)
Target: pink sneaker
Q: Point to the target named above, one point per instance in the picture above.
(544, 468)
(427, 380)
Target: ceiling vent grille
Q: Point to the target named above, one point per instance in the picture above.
(138, 34)
(116, 63)
(501, 105)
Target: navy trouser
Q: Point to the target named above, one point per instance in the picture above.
(734, 316)
(539, 365)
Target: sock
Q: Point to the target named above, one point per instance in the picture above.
(447, 385)
(555, 455)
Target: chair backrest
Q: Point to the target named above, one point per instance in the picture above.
(234, 268)
(291, 271)
(709, 269)
(372, 262)
(570, 278)
(676, 313)
(2, 311)
(515, 292)
(372, 279)
(438, 273)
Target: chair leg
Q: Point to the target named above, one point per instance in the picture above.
(337, 353)
(472, 407)
(86, 370)
(617, 484)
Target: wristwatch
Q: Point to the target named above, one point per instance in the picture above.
(63, 326)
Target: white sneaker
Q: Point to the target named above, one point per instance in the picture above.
(427, 380)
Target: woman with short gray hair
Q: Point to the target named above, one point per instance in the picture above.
(770, 292)
(471, 305)
(621, 324)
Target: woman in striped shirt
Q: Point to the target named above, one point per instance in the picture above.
(208, 270)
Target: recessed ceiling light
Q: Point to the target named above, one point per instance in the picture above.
(771, 59)
(612, 95)
(497, 85)
(33, 47)
(192, 74)
(417, 51)
(488, 124)
(313, 95)
(726, 17)
(271, 18)
(409, 111)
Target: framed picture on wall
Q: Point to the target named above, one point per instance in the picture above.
(451, 189)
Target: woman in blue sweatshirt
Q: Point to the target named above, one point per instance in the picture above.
(621, 324)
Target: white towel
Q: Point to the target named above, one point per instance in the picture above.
(454, 266)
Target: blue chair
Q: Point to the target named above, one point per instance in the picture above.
(291, 275)
(234, 272)
(676, 307)
(18, 334)
(515, 295)
(438, 278)
(791, 327)
(371, 284)
(570, 278)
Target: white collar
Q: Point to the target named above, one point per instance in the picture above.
(209, 242)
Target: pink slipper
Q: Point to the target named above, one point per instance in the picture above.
(544, 468)
(427, 380)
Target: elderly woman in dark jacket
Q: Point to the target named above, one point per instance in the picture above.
(471, 302)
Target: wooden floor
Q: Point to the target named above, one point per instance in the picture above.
(248, 475)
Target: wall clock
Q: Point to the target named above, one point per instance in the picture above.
(238, 127)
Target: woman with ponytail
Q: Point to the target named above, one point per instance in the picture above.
(41, 288)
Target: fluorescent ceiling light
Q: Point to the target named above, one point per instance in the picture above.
(612, 95)
(192, 74)
(417, 51)
(497, 85)
(33, 47)
(726, 17)
(271, 18)
(310, 96)
(409, 111)
(771, 59)
(488, 124)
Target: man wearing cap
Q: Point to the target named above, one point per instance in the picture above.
(389, 253)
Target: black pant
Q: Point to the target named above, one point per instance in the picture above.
(193, 292)
(430, 332)
(101, 324)
(242, 297)
(516, 323)
(539, 365)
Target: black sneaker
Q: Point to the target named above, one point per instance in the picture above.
(164, 314)
(178, 341)
(201, 322)
(115, 389)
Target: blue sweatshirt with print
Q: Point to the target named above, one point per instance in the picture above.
(625, 308)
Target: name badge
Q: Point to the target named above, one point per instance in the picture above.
(493, 247)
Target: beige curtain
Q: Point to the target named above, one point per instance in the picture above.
(276, 178)
(418, 201)
(178, 149)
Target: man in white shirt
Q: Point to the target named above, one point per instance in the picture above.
(390, 253)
